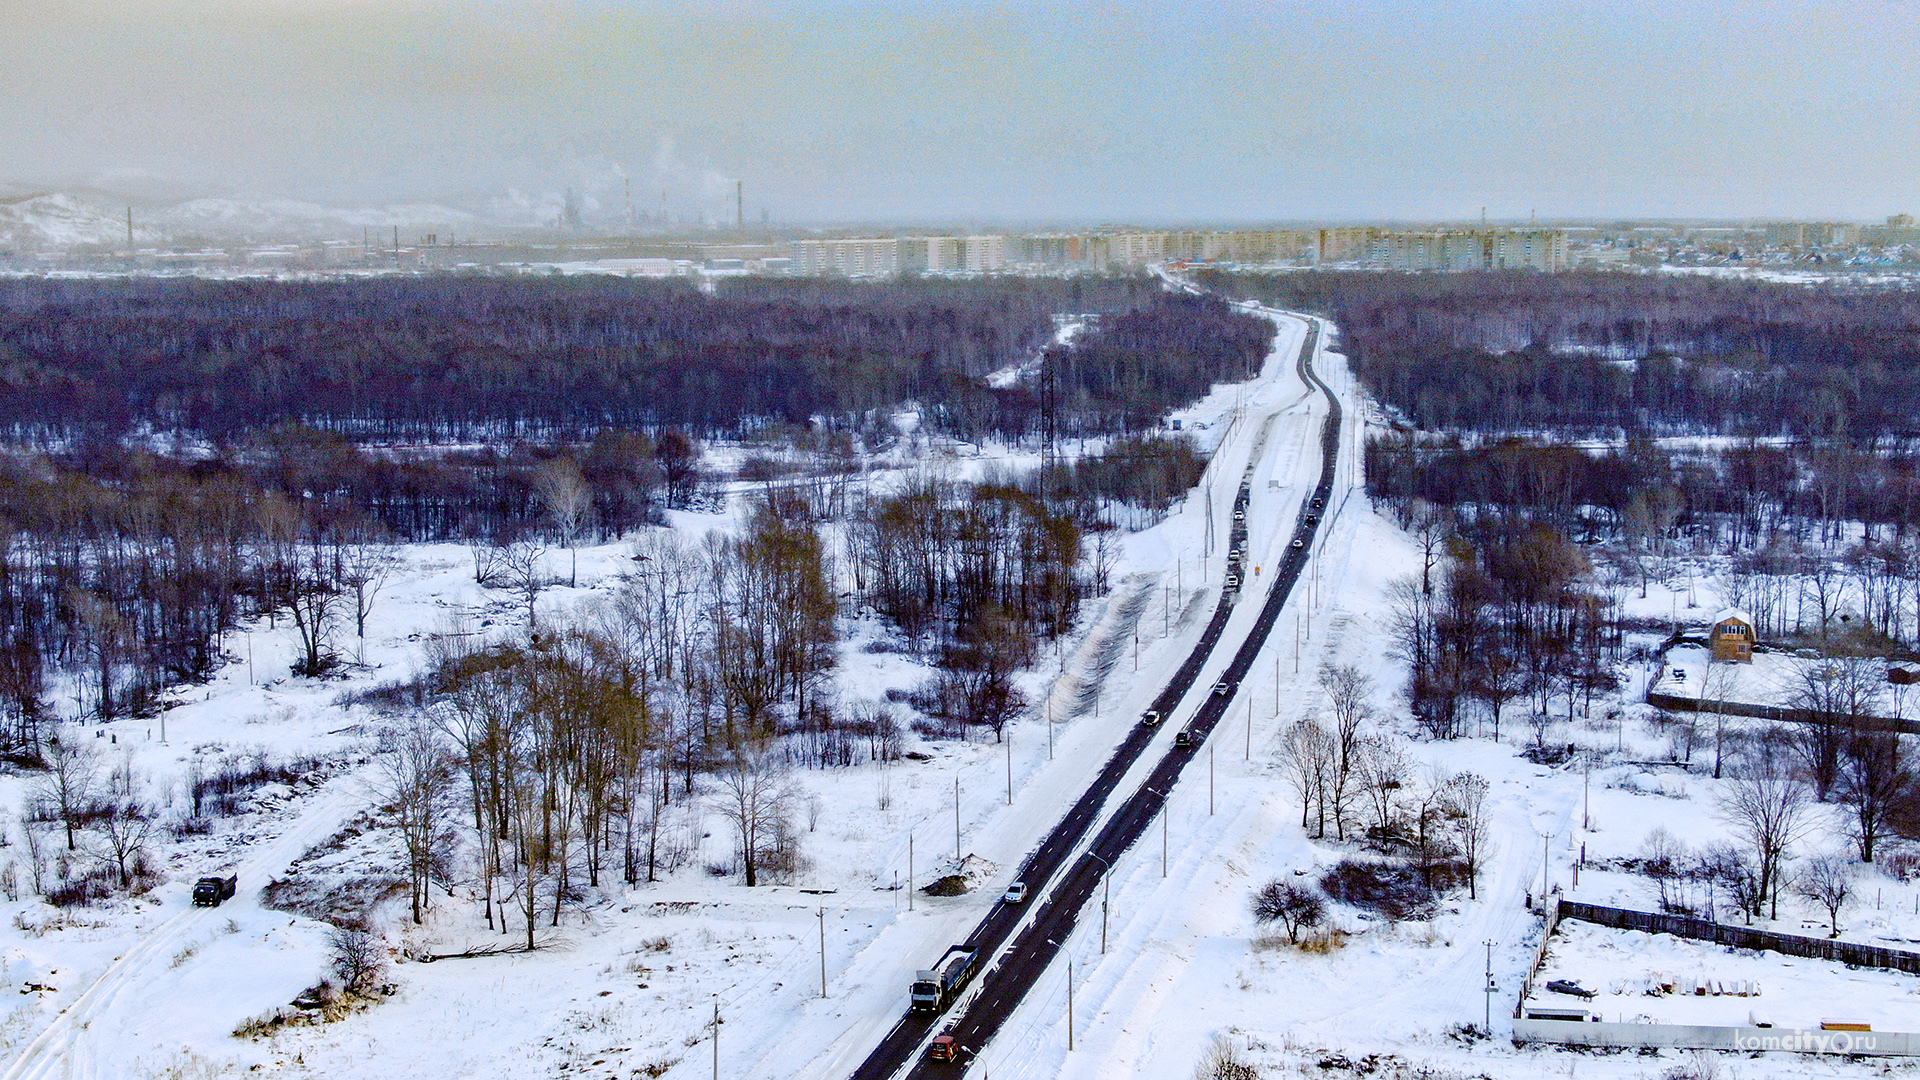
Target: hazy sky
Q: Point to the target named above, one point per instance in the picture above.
(1011, 112)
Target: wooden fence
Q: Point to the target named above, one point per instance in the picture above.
(1674, 703)
(1739, 937)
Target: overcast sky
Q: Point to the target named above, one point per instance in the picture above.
(958, 111)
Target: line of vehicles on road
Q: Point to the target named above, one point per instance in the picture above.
(936, 988)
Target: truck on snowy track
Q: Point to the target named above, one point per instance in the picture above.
(209, 891)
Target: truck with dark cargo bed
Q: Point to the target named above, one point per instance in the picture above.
(935, 988)
(209, 891)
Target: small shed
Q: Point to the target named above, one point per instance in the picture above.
(1732, 637)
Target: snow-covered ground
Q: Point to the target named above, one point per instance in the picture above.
(1649, 978)
(627, 985)
(1776, 679)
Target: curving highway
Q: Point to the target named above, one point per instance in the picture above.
(1062, 889)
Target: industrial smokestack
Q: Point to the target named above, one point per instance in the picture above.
(739, 205)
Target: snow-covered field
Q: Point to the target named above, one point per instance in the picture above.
(1776, 679)
(628, 983)
(1652, 978)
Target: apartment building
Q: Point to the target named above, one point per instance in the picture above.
(850, 257)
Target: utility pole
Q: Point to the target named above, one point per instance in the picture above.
(1487, 1023)
(716, 1037)
(1009, 741)
(956, 820)
(1545, 869)
(823, 951)
(1209, 548)
(909, 871)
(1069, 1004)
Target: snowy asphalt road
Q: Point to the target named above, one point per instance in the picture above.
(1058, 905)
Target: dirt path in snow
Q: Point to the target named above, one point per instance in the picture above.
(67, 1050)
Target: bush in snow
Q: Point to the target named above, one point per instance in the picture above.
(1296, 908)
(1395, 889)
(1225, 1061)
(357, 957)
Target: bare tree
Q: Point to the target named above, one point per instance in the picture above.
(1839, 695)
(1664, 859)
(1767, 803)
(1431, 527)
(1307, 753)
(1828, 881)
(523, 567)
(755, 797)
(1648, 521)
(1496, 678)
(1472, 823)
(1875, 782)
(1382, 769)
(357, 958)
(414, 779)
(1715, 688)
(1349, 694)
(1297, 908)
(568, 502)
(124, 829)
(312, 596)
(73, 769)
(1826, 584)
(105, 637)
(365, 564)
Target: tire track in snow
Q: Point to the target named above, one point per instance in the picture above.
(64, 1050)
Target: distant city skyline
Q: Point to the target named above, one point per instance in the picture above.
(1009, 114)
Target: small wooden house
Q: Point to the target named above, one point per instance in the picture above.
(1732, 637)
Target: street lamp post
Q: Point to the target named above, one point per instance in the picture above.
(1106, 893)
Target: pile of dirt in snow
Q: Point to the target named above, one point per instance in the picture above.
(961, 877)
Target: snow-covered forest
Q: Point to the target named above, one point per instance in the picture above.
(667, 655)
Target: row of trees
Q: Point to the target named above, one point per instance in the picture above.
(466, 358)
(1357, 779)
(575, 740)
(976, 575)
(1497, 617)
(1599, 352)
(125, 568)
